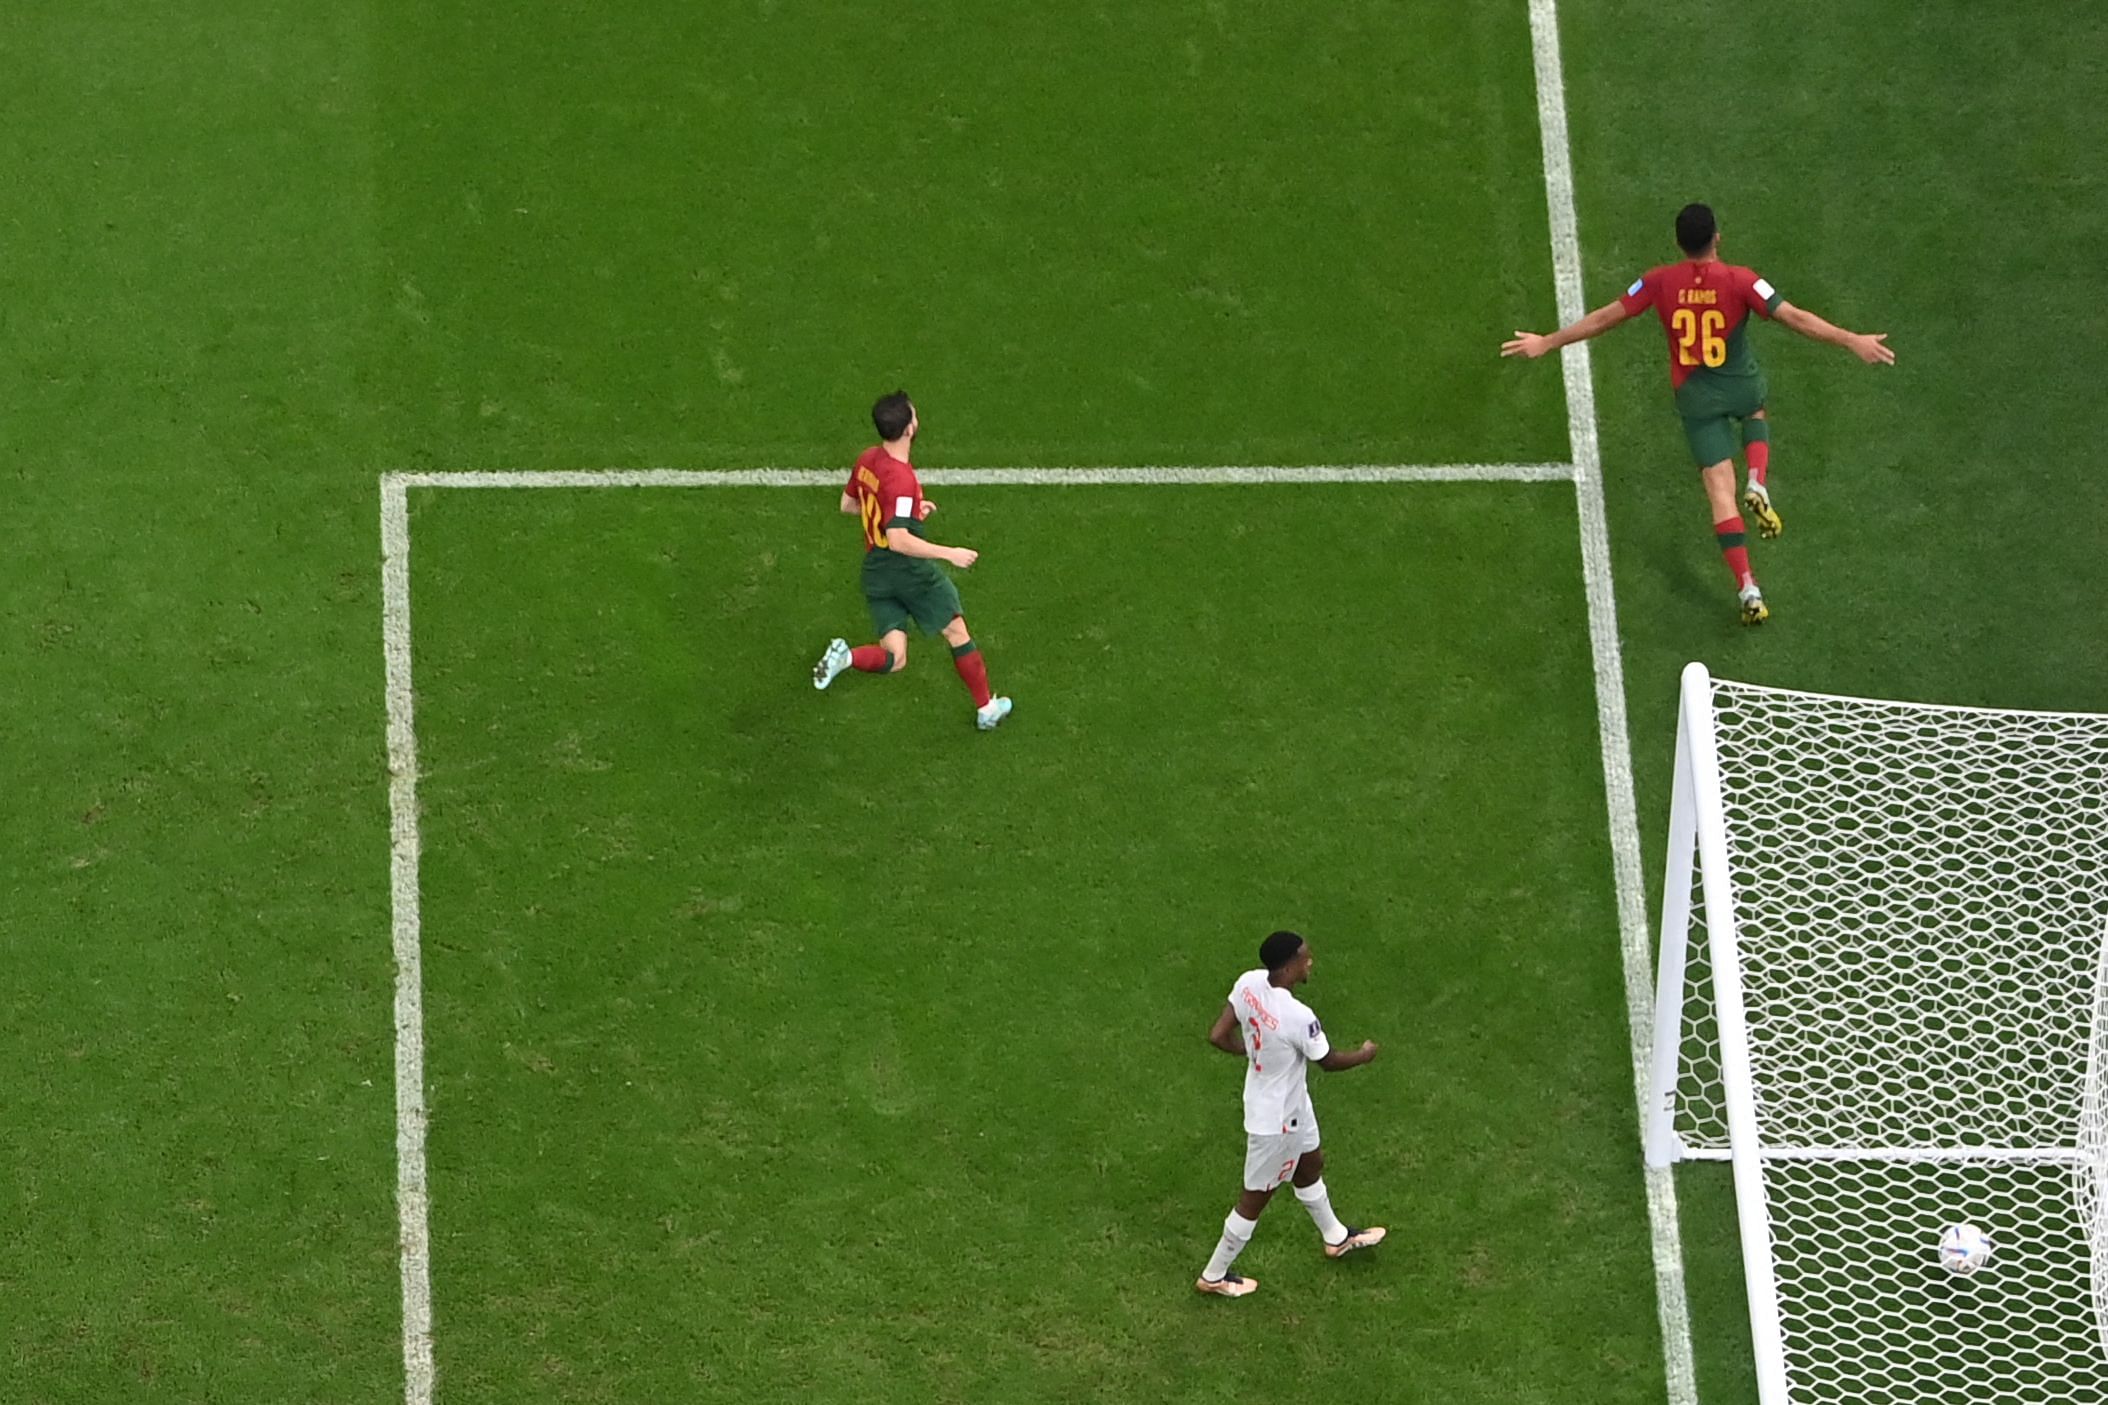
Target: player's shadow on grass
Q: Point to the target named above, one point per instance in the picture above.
(1701, 589)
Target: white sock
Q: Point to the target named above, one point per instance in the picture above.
(1236, 1233)
(1318, 1201)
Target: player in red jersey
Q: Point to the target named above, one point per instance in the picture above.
(1704, 306)
(901, 578)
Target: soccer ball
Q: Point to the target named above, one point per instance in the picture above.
(1964, 1248)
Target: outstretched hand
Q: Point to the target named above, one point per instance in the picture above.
(1871, 347)
(1528, 344)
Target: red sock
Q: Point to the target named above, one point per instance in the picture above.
(870, 658)
(973, 670)
(1759, 456)
(1729, 533)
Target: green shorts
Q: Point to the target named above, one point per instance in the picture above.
(1711, 407)
(899, 589)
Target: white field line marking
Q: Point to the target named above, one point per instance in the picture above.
(1671, 1302)
(1000, 477)
(412, 1204)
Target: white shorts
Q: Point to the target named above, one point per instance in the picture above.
(1268, 1161)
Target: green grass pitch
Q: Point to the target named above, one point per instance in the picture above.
(818, 1049)
(883, 1104)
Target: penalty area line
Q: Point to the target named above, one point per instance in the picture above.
(995, 477)
(413, 1201)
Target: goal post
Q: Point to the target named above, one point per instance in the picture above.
(1698, 841)
(1883, 1000)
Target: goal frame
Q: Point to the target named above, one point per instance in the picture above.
(1942, 776)
(1698, 845)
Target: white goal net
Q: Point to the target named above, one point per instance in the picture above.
(1884, 999)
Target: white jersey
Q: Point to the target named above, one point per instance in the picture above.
(1281, 1038)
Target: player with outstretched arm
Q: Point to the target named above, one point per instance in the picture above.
(901, 578)
(1704, 306)
(1279, 1038)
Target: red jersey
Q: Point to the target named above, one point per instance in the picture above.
(888, 493)
(1704, 305)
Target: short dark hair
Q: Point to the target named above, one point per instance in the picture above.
(892, 413)
(1695, 229)
(1279, 949)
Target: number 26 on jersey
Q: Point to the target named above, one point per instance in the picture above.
(1698, 339)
